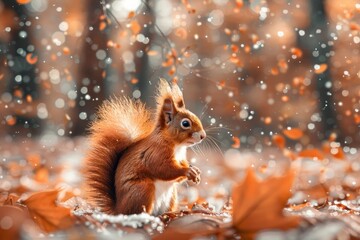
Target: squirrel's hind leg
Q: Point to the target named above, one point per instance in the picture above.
(135, 198)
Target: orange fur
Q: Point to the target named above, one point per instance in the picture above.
(132, 153)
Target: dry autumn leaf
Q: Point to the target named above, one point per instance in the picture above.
(293, 133)
(134, 80)
(312, 153)
(296, 52)
(10, 120)
(152, 53)
(29, 98)
(318, 69)
(131, 14)
(66, 50)
(135, 27)
(289, 154)
(354, 26)
(333, 148)
(279, 141)
(42, 175)
(11, 199)
(12, 220)
(46, 213)
(181, 33)
(239, 3)
(267, 120)
(236, 143)
(102, 26)
(258, 205)
(23, 1)
(283, 66)
(31, 59)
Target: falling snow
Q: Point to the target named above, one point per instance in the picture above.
(276, 85)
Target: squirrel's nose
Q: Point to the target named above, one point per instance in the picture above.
(202, 134)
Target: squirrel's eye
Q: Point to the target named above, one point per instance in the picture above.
(185, 123)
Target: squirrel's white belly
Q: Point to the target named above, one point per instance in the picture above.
(164, 189)
(163, 194)
(180, 153)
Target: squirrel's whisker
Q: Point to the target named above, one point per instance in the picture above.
(212, 127)
(206, 106)
(216, 146)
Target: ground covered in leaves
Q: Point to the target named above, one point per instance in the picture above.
(275, 193)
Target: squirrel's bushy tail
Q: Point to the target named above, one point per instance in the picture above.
(120, 123)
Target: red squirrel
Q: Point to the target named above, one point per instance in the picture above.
(136, 158)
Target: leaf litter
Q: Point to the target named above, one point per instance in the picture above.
(298, 201)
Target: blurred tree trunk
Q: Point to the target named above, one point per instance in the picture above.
(317, 38)
(142, 64)
(92, 69)
(21, 77)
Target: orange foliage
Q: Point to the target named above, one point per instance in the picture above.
(135, 27)
(274, 71)
(46, 213)
(31, 59)
(357, 118)
(279, 141)
(258, 205)
(131, 14)
(33, 159)
(152, 53)
(336, 152)
(102, 26)
(42, 175)
(236, 143)
(294, 133)
(188, 6)
(23, 1)
(289, 154)
(320, 68)
(10, 120)
(354, 26)
(181, 33)
(283, 66)
(28, 98)
(312, 153)
(172, 71)
(66, 50)
(267, 120)
(134, 80)
(239, 3)
(296, 52)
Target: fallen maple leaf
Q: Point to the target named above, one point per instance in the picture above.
(11, 199)
(23, 1)
(12, 219)
(135, 27)
(320, 68)
(102, 26)
(312, 153)
(46, 213)
(236, 143)
(258, 205)
(335, 150)
(279, 141)
(31, 59)
(293, 133)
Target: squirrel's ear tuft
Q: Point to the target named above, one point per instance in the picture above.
(177, 95)
(168, 110)
(169, 100)
(164, 88)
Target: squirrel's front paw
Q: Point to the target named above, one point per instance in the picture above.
(193, 174)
